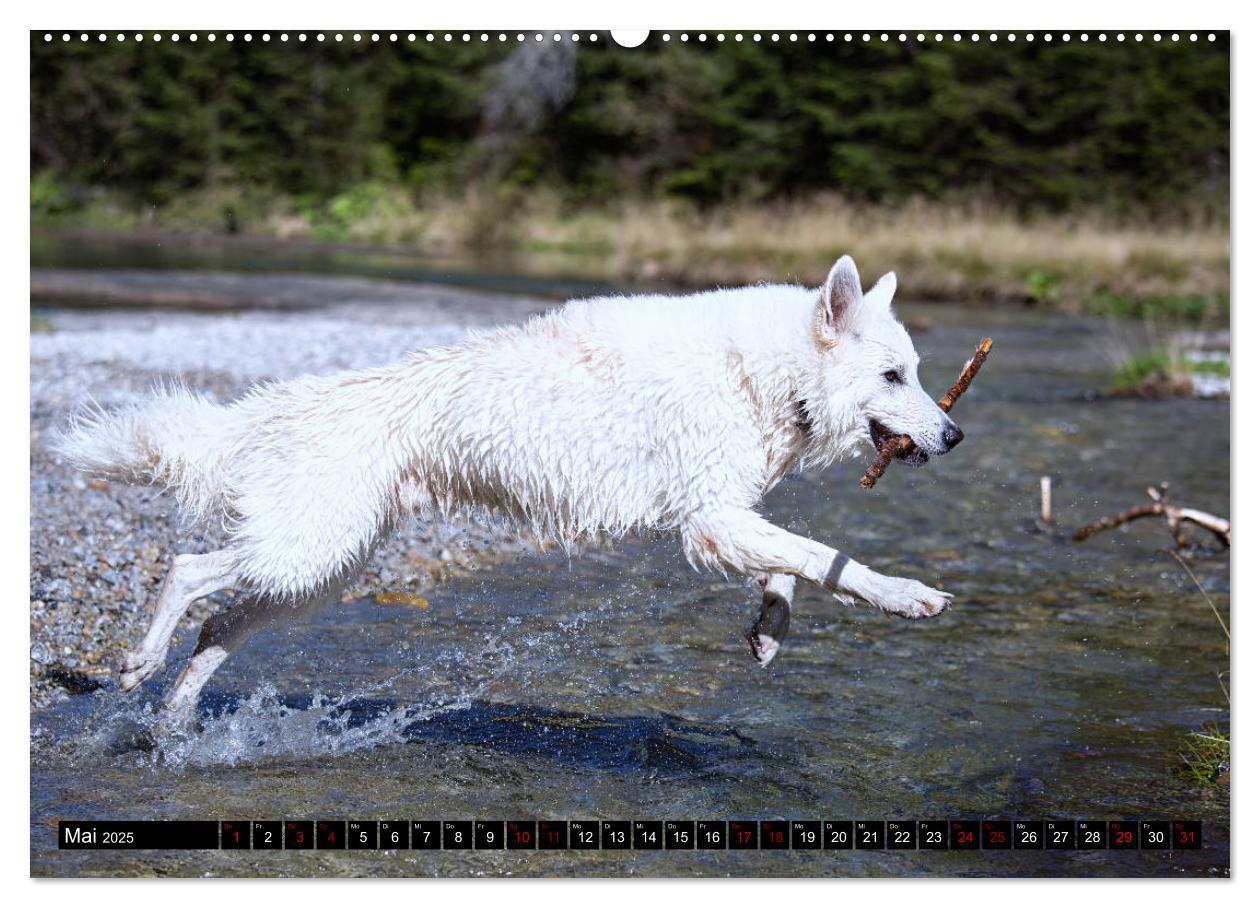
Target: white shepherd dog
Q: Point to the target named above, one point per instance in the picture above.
(604, 416)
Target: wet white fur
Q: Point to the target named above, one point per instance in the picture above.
(604, 416)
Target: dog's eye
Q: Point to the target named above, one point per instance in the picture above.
(893, 376)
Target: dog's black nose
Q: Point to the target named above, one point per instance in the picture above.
(951, 436)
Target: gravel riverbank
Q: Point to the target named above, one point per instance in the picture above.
(99, 550)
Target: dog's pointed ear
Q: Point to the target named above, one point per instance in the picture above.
(881, 295)
(841, 297)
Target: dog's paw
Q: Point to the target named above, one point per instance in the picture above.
(137, 666)
(912, 599)
(771, 629)
(764, 647)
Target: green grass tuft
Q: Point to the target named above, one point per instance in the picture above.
(1194, 307)
(1162, 371)
(1206, 759)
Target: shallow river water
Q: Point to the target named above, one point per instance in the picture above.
(617, 684)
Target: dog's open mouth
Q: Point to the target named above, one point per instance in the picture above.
(880, 434)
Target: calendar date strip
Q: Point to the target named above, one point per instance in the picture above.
(633, 835)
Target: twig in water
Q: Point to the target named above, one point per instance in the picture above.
(1161, 506)
(1047, 514)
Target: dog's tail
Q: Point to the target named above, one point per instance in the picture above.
(175, 438)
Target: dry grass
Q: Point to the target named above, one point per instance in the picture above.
(939, 251)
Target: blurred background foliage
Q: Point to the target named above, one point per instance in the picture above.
(1072, 174)
(1137, 128)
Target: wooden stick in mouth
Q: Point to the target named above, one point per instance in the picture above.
(902, 444)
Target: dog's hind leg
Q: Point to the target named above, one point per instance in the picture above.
(190, 578)
(226, 632)
(771, 628)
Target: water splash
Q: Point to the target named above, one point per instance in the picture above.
(266, 725)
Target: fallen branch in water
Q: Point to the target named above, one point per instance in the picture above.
(901, 445)
(1161, 506)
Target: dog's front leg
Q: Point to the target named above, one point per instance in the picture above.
(771, 627)
(741, 540)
